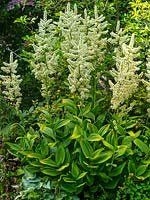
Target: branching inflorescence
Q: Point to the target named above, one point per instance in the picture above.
(126, 78)
(11, 82)
(45, 58)
(147, 82)
(83, 47)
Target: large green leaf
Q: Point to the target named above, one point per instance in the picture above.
(74, 170)
(141, 170)
(48, 116)
(34, 155)
(146, 174)
(82, 175)
(108, 145)
(49, 132)
(13, 146)
(90, 115)
(35, 164)
(70, 106)
(60, 155)
(118, 170)
(50, 171)
(105, 177)
(100, 119)
(31, 154)
(86, 148)
(95, 137)
(127, 140)
(85, 110)
(121, 150)
(104, 156)
(142, 146)
(63, 167)
(95, 155)
(44, 148)
(91, 128)
(49, 161)
(131, 167)
(76, 132)
(61, 123)
(69, 180)
(104, 129)
(69, 188)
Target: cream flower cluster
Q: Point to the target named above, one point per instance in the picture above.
(11, 82)
(119, 37)
(45, 59)
(126, 78)
(82, 46)
(147, 82)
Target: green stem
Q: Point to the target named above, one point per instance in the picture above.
(47, 96)
(94, 89)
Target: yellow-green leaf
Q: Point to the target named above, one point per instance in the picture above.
(95, 137)
(63, 167)
(141, 170)
(49, 161)
(142, 146)
(60, 155)
(76, 132)
(50, 171)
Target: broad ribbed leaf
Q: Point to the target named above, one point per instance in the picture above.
(104, 156)
(60, 155)
(118, 170)
(49, 161)
(68, 187)
(108, 145)
(13, 146)
(49, 132)
(34, 155)
(36, 164)
(74, 170)
(76, 132)
(69, 104)
(131, 166)
(86, 110)
(142, 146)
(96, 154)
(63, 167)
(104, 129)
(81, 175)
(50, 171)
(62, 123)
(121, 150)
(146, 174)
(69, 180)
(31, 154)
(141, 170)
(95, 137)
(105, 177)
(127, 141)
(86, 148)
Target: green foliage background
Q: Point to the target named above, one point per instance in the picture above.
(72, 133)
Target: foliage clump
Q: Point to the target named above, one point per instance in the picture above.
(82, 144)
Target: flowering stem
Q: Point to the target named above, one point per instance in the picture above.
(94, 80)
(47, 96)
